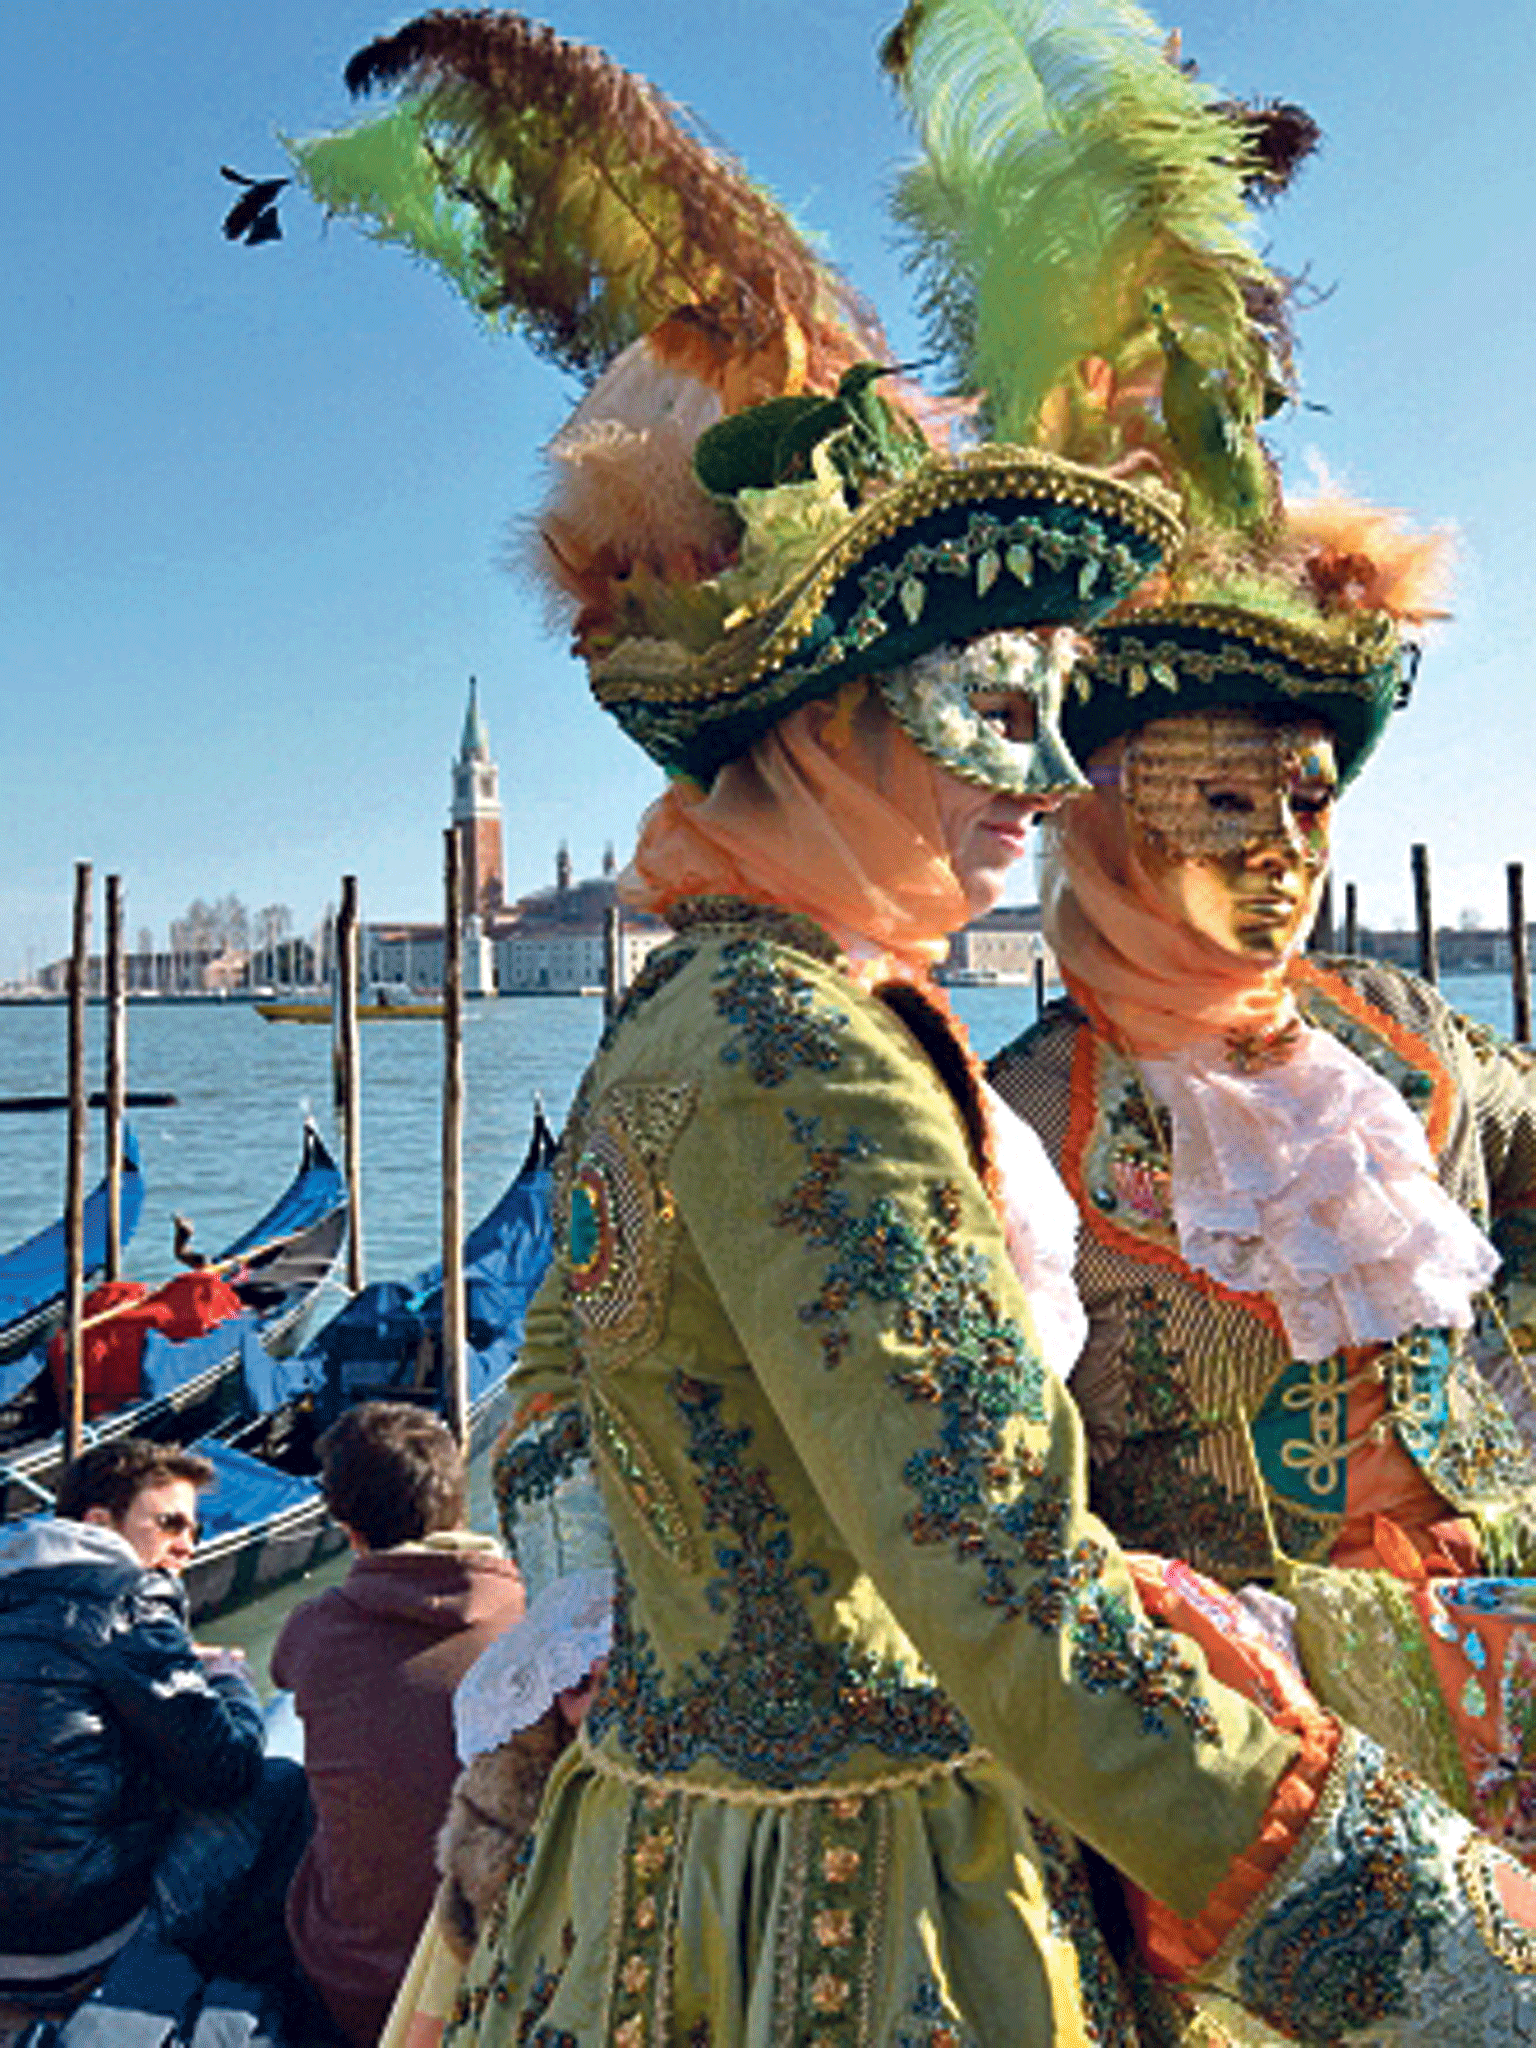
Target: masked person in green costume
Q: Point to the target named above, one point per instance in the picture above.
(876, 1674)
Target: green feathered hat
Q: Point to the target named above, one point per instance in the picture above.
(1348, 673)
(953, 552)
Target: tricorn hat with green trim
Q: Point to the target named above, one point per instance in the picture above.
(1000, 540)
(1348, 672)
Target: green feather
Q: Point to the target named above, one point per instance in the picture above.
(1080, 196)
(383, 174)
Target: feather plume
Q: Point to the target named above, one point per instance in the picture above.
(1356, 557)
(568, 198)
(1085, 254)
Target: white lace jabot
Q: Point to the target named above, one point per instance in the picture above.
(1313, 1182)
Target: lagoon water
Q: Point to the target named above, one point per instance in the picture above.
(244, 1085)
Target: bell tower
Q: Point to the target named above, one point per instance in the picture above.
(476, 814)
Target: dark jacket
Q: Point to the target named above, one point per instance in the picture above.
(373, 1664)
(107, 1723)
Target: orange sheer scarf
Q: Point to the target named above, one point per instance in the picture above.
(834, 813)
(1149, 981)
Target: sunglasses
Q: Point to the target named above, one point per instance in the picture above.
(173, 1523)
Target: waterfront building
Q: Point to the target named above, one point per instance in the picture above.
(1001, 946)
(552, 942)
(402, 955)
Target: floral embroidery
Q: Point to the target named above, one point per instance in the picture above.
(1125, 1163)
(839, 1860)
(1452, 1423)
(640, 1996)
(978, 1488)
(1108, 2013)
(659, 968)
(779, 1024)
(774, 1703)
(472, 1998)
(1113, 1648)
(880, 1257)
(1332, 1953)
(542, 1987)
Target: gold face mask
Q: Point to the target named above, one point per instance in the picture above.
(1232, 819)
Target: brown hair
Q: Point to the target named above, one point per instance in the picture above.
(392, 1472)
(111, 1476)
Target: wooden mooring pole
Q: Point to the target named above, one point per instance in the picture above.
(613, 962)
(74, 1172)
(455, 1358)
(349, 1075)
(1519, 962)
(116, 1077)
(1424, 917)
(1320, 939)
(1351, 918)
(1039, 981)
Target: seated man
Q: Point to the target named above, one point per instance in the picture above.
(117, 1734)
(373, 1664)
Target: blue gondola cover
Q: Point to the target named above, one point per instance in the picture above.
(32, 1274)
(244, 1490)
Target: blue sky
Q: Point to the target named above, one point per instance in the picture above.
(255, 500)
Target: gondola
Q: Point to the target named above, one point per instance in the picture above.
(32, 1274)
(277, 1267)
(264, 1520)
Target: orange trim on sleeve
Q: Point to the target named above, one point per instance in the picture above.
(1177, 1948)
(1238, 1656)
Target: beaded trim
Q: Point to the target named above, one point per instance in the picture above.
(793, 1795)
(653, 672)
(1126, 657)
(1318, 1823)
(704, 915)
(1513, 1945)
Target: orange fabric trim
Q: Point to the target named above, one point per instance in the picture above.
(1082, 1114)
(1407, 1044)
(1238, 1657)
(1177, 1948)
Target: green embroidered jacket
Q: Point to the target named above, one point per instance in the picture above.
(846, 1497)
(1173, 1366)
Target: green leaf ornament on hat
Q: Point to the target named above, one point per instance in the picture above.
(1347, 673)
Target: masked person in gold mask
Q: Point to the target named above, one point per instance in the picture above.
(1306, 1184)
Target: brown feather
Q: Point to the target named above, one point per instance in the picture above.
(607, 167)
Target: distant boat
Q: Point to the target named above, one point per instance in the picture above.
(277, 1267)
(388, 1008)
(32, 1275)
(264, 1518)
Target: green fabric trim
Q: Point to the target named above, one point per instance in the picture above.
(1364, 1654)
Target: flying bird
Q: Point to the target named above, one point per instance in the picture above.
(253, 217)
